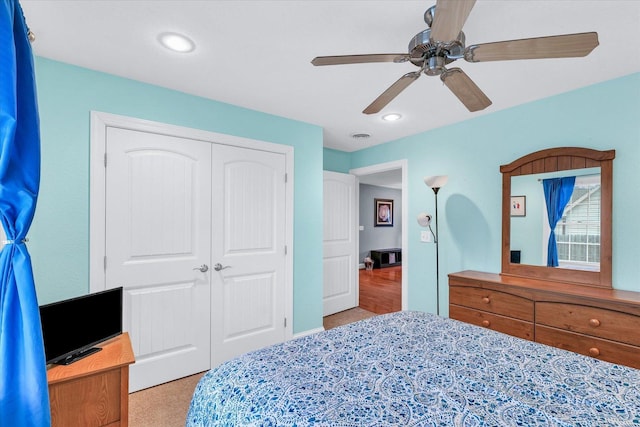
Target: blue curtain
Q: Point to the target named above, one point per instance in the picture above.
(557, 193)
(24, 396)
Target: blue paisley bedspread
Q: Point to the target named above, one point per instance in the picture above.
(415, 369)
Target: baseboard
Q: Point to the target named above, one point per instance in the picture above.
(309, 332)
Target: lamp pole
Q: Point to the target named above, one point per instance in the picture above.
(436, 183)
(435, 191)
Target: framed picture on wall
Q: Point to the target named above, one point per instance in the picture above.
(383, 213)
(518, 206)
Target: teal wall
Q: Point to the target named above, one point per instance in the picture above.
(603, 116)
(336, 161)
(59, 237)
(528, 232)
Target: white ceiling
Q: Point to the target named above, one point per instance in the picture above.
(256, 54)
(391, 179)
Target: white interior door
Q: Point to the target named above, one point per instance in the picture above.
(158, 235)
(249, 244)
(340, 259)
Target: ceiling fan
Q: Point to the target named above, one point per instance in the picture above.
(444, 42)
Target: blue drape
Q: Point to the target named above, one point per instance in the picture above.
(557, 193)
(24, 397)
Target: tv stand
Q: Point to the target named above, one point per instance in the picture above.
(77, 356)
(94, 391)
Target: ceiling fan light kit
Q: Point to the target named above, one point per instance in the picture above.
(444, 42)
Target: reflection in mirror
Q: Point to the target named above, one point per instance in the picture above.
(587, 260)
(577, 232)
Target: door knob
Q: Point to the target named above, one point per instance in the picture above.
(219, 267)
(203, 268)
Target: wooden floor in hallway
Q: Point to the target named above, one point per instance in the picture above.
(380, 293)
(381, 289)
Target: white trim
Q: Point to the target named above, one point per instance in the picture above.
(309, 332)
(97, 194)
(101, 121)
(383, 167)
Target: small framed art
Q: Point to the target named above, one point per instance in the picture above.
(518, 205)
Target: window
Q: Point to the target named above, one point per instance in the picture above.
(578, 232)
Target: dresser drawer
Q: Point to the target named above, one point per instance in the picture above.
(599, 322)
(507, 325)
(492, 301)
(602, 349)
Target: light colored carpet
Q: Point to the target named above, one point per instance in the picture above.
(345, 317)
(167, 405)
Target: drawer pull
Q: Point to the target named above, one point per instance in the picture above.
(593, 351)
(594, 322)
(486, 300)
(486, 323)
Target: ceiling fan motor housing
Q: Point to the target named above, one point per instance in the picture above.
(434, 56)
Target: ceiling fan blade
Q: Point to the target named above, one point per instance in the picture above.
(465, 89)
(450, 16)
(563, 46)
(394, 90)
(360, 59)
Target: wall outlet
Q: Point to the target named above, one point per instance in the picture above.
(425, 236)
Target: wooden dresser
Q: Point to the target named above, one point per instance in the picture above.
(597, 322)
(93, 391)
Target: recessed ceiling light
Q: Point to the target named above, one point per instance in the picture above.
(176, 42)
(391, 117)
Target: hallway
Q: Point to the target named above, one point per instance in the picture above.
(381, 289)
(380, 293)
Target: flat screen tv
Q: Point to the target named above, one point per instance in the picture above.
(70, 328)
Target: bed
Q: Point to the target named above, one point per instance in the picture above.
(415, 369)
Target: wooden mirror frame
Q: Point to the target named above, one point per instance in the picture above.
(553, 160)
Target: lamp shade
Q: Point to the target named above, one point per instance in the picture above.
(436, 181)
(424, 219)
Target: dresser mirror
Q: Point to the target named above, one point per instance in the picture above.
(584, 240)
(577, 232)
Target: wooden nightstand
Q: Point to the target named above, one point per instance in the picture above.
(93, 391)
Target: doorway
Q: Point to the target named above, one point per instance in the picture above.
(388, 175)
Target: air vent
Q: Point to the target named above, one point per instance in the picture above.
(360, 136)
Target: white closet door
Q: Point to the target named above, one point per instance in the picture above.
(248, 243)
(171, 203)
(158, 231)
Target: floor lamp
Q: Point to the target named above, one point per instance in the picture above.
(435, 183)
